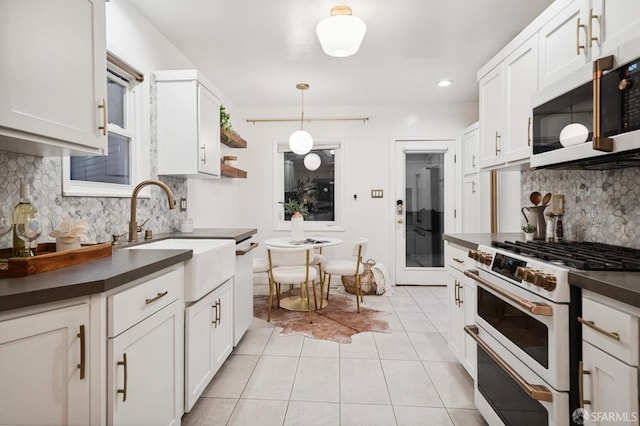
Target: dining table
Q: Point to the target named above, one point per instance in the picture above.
(299, 303)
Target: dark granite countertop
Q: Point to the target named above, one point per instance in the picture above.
(104, 274)
(621, 286)
(472, 241)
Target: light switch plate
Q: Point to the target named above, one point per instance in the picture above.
(183, 204)
(376, 193)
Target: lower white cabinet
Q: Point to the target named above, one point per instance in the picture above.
(145, 361)
(45, 359)
(209, 339)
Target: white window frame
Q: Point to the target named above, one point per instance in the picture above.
(279, 222)
(137, 118)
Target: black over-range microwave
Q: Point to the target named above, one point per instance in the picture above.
(577, 128)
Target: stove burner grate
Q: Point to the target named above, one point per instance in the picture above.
(578, 255)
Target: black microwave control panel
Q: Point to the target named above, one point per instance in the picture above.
(630, 86)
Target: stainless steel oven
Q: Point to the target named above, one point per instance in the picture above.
(522, 330)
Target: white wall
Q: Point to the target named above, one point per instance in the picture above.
(367, 166)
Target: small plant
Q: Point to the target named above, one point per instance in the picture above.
(292, 207)
(528, 228)
(225, 120)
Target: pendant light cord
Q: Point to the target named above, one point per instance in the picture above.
(302, 110)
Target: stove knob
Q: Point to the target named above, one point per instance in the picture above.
(546, 281)
(521, 272)
(486, 258)
(530, 275)
(551, 282)
(473, 254)
(624, 84)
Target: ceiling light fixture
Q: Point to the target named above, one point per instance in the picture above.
(301, 141)
(445, 83)
(312, 161)
(341, 34)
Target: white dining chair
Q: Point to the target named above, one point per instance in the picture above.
(347, 267)
(292, 267)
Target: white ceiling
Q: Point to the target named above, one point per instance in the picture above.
(257, 50)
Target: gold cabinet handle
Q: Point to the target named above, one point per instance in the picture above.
(248, 249)
(103, 106)
(123, 391)
(534, 308)
(204, 154)
(215, 317)
(458, 260)
(578, 45)
(218, 312)
(460, 301)
(159, 296)
(537, 392)
(581, 373)
(83, 353)
(455, 292)
(591, 18)
(529, 132)
(593, 326)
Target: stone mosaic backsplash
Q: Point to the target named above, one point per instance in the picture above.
(105, 215)
(600, 205)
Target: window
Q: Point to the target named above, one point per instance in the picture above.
(115, 174)
(318, 190)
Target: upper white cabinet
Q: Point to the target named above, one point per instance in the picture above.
(470, 149)
(491, 117)
(53, 87)
(582, 32)
(46, 364)
(188, 125)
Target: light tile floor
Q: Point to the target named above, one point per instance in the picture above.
(408, 377)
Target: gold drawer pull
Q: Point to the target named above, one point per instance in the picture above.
(578, 45)
(581, 373)
(103, 106)
(215, 317)
(591, 18)
(458, 260)
(159, 296)
(592, 325)
(123, 391)
(82, 365)
(537, 392)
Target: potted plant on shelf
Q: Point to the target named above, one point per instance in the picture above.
(225, 121)
(529, 231)
(297, 210)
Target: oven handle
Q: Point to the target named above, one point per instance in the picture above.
(534, 308)
(537, 392)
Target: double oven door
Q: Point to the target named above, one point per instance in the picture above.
(523, 371)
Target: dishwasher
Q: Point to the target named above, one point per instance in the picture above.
(243, 289)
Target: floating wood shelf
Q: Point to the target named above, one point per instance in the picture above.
(232, 172)
(232, 140)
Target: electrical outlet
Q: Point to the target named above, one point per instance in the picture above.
(376, 193)
(183, 204)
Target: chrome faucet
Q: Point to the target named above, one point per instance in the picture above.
(133, 227)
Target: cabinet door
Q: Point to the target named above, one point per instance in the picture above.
(469, 307)
(208, 132)
(456, 315)
(223, 328)
(610, 385)
(491, 107)
(53, 74)
(521, 81)
(199, 365)
(40, 355)
(470, 147)
(563, 43)
(144, 371)
(614, 23)
(471, 204)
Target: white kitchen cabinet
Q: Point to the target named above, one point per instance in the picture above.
(610, 358)
(45, 360)
(491, 117)
(145, 361)
(470, 149)
(243, 289)
(54, 83)
(461, 307)
(209, 339)
(471, 201)
(617, 22)
(188, 125)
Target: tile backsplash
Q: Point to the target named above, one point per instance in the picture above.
(600, 206)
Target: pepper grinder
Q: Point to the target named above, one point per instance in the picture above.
(559, 231)
(550, 234)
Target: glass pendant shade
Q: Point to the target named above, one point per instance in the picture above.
(300, 142)
(312, 161)
(341, 34)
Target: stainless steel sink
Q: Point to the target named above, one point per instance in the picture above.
(213, 263)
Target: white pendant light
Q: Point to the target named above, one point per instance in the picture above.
(312, 161)
(301, 141)
(341, 33)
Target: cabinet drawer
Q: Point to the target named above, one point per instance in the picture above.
(458, 258)
(131, 306)
(600, 325)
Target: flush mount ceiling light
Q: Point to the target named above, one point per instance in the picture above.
(445, 83)
(301, 141)
(341, 33)
(312, 161)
